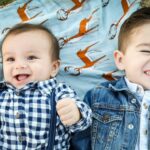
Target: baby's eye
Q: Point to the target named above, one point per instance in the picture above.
(145, 51)
(10, 59)
(31, 57)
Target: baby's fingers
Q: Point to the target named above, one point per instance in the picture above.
(67, 119)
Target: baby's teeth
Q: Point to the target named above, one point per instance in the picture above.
(148, 72)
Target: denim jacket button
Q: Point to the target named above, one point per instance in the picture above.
(133, 101)
(105, 118)
(130, 126)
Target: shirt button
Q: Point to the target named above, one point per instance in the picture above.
(17, 115)
(133, 101)
(20, 138)
(145, 132)
(130, 126)
(145, 106)
(17, 93)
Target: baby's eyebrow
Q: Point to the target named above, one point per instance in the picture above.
(7, 54)
(144, 44)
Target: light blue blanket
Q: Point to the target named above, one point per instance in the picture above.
(87, 32)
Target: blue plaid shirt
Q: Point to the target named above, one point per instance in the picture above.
(25, 116)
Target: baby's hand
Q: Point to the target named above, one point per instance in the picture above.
(68, 111)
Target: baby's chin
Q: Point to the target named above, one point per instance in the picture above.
(20, 85)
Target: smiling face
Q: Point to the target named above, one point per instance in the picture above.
(135, 59)
(27, 57)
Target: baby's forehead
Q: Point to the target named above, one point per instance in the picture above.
(29, 36)
(27, 39)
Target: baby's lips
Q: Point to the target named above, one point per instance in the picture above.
(21, 77)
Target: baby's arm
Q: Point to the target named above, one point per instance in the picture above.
(73, 113)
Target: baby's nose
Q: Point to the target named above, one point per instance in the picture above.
(21, 65)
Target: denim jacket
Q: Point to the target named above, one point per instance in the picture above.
(116, 116)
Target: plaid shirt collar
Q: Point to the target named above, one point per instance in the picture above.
(44, 86)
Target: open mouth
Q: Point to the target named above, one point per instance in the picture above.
(21, 77)
(147, 73)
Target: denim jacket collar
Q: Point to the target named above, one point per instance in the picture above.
(118, 86)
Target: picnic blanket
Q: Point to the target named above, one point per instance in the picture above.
(86, 30)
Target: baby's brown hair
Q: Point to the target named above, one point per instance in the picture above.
(137, 19)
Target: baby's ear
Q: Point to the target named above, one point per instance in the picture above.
(55, 68)
(118, 57)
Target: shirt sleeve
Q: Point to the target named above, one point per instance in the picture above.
(64, 91)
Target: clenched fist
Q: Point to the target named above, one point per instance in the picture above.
(68, 111)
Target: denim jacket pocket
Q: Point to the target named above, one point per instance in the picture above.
(106, 127)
